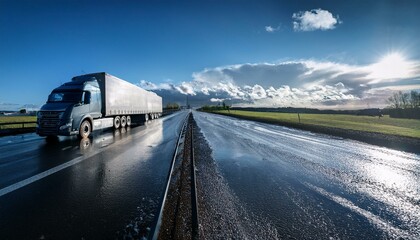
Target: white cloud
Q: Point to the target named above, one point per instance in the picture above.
(316, 19)
(256, 92)
(186, 88)
(216, 99)
(303, 83)
(269, 29)
(300, 83)
(147, 85)
(151, 86)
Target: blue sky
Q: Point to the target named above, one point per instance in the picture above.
(327, 54)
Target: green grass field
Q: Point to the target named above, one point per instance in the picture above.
(13, 119)
(385, 124)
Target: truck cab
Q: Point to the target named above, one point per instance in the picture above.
(71, 109)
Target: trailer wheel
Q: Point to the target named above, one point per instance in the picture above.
(128, 121)
(85, 129)
(123, 121)
(117, 122)
(146, 117)
(152, 116)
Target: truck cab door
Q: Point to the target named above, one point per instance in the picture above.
(95, 104)
(81, 109)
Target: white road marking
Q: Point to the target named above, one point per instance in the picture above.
(40, 176)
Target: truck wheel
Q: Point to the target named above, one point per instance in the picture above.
(128, 121)
(85, 129)
(123, 121)
(117, 122)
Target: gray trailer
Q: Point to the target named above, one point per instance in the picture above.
(95, 101)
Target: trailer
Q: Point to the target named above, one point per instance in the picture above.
(95, 101)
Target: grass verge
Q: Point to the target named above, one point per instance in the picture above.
(384, 125)
(15, 119)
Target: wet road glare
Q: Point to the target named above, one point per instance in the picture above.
(314, 186)
(91, 188)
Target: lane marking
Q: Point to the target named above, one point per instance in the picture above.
(40, 176)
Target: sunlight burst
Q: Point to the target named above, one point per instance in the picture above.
(391, 66)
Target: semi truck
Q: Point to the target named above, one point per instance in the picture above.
(95, 101)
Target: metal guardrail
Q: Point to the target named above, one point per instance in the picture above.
(168, 181)
(194, 202)
(188, 156)
(17, 123)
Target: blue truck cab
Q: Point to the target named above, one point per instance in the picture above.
(70, 109)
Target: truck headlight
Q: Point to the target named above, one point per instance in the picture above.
(65, 126)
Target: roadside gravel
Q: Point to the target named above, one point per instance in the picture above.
(221, 214)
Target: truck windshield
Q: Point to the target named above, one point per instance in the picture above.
(65, 97)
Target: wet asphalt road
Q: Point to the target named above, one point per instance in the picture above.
(313, 186)
(84, 189)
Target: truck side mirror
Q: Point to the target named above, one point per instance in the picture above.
(86, 99)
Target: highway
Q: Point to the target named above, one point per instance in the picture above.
(302, 185)
(314, 186)
(85, 189)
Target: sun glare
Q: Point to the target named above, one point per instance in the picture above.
(391, 66)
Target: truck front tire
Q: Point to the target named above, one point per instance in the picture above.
(85, 129)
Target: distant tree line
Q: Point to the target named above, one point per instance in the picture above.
(209, 108)
(361, 112)
(400, 100)
(172, 106)
(404, 105)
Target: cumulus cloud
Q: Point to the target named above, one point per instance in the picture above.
(303, 83)
(256, 92)
(316, 19)
(186, 89)
(151, 86)
(147, 85)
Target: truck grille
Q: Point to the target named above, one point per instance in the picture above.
(49, 121)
